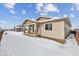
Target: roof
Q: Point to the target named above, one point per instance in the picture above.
(51, 19)
(27, 20)
(44, 17)
(48, 19)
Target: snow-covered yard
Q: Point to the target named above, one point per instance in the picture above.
(15, 43)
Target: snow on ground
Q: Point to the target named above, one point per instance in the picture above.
(15, 43)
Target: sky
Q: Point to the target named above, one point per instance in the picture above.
(13, 14)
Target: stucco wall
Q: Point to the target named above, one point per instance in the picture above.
(56, 32)
(66, 28)
(30, 23)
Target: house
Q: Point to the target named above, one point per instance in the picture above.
(77, 35)
(56, 28)
(75, 31)
(18, 28)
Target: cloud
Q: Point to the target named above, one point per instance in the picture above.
(43, 8)
(32, 19)
(9, 5)
(72, 8)
(12, 11)
(75, 7)
(23, 12)
(65, 15)
(72, 15)
(69, 15)
(3, 24)
(51, 8)
(16, 17)
(43, 14)
(39, 7)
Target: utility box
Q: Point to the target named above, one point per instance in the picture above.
(1, 33)
(77, 35)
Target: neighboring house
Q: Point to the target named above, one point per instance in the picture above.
(75, 31)
(77, 35)
(29, 27)
(18, 28)
(56, 28)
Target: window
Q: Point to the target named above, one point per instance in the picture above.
(48, 26)
(31, 28)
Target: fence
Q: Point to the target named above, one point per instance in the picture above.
(1, 33)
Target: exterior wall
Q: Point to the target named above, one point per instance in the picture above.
(77, 36)
(29, 23)
(26, 25)
(25, 29)
(56, 32)
(66, 28)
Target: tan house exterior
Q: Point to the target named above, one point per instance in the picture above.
(55, 28)
(67, 26)
(29, 27)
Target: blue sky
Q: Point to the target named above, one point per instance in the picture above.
(12, 14)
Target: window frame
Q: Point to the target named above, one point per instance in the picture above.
(48, 26)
